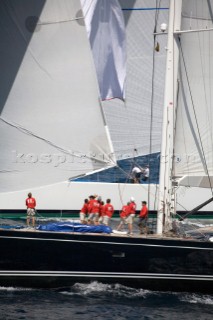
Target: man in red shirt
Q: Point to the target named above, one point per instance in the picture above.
(108, 212)
(31, 204)
(131, 215)
(101, 212)
(123, 215)
(93, 209)
(84, 211)
(143, 218)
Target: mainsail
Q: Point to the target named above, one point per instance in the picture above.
(136, 123)
(51, 125)
(194, 130)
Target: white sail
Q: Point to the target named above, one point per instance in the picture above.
(106, 31)
(136, 123)
(129, 121)
(194, 130)
(187, 145)
(51, 123)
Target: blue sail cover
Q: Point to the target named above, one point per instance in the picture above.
(74, 227)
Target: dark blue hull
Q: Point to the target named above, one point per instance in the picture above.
(54, 259)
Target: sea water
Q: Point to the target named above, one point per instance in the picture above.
(102, 301)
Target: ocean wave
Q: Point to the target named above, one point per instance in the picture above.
(13, 289)
(95, 288)
(197, 299)
(104, 290)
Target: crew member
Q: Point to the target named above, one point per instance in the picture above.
(136, 174)
(101, 212)
(31, 204)
(131, 216)
(145, 173)
(94, 206)
(123, 215)
(84, 211)
(108, 212)
(143, 218)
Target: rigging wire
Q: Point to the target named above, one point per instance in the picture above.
(174, 137)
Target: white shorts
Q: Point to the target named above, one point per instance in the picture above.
(100, 219)
(106, 220)
(96, 216)
(91, 216)
(82, 216)
(130, 218)
(123, 220)
(30, 211)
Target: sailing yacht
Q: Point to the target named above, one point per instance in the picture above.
(44, 115)
(54, 138)
(167, 260)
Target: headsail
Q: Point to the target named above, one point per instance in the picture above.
(51, 123)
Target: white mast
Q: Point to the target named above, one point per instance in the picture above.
(165, 206)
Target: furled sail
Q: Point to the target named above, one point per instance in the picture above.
(194, 130)
(51, 123)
